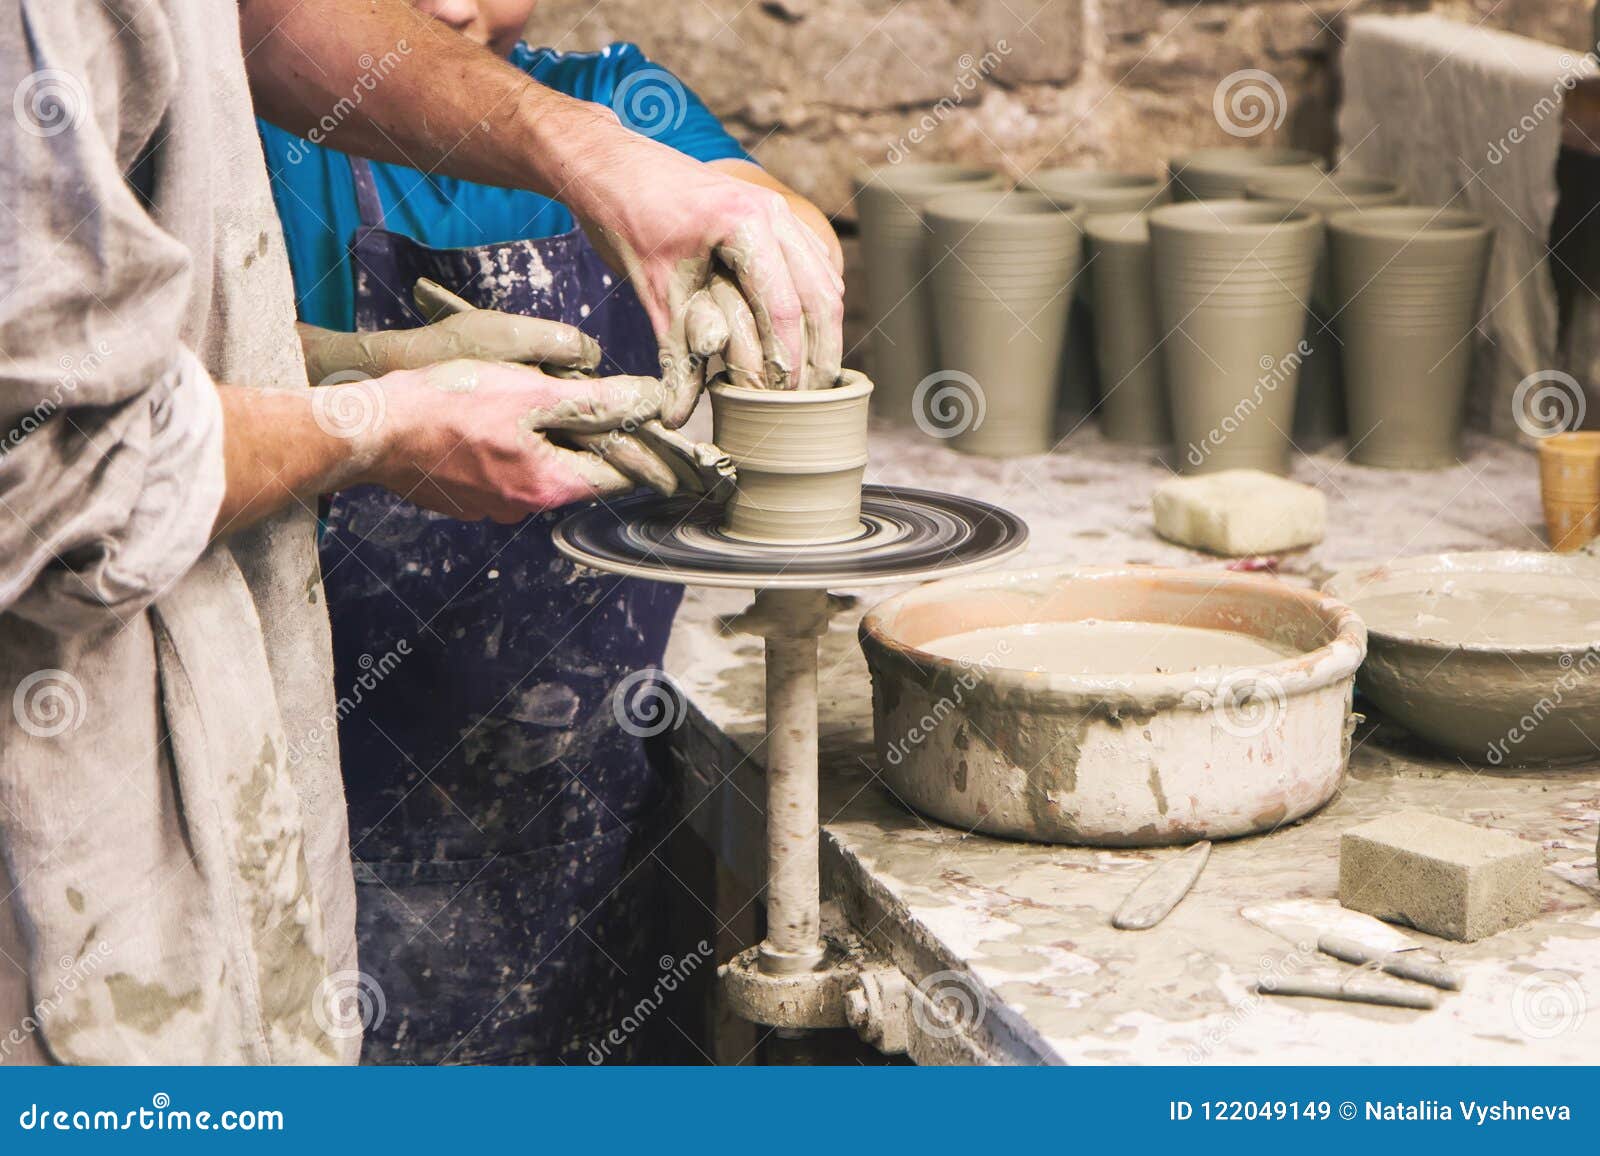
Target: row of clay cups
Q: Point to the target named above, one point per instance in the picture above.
(1241, 305)
(1226, 303)
(976, 300)
(904, 353)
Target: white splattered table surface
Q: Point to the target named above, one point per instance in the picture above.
(1026, 928)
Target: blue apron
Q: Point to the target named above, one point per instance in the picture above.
(502, 822)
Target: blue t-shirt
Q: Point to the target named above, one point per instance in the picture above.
(316, 198)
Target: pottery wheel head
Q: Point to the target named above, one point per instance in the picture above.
(905, 535)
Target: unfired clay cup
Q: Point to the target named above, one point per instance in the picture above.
(1319, 402)
(1222, 173)
(894, 245)
(1407, 285)
(1002, 274)
(1232, 281)
(800, 457)
(1092, 191)
(1133, 401)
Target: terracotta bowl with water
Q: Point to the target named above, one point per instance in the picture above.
(1493, 656)
(1133, 706)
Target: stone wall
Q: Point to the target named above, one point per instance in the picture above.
(813, 87)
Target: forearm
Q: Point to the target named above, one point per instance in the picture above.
(425, 97)
(277, 452)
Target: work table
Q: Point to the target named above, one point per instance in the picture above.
(1026, 928)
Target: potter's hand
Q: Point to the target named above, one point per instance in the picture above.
(719, 321)
(476, 439)
(484, 334)
(672, 222)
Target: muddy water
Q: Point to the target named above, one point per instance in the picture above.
(1106, 648)
(1498, 609)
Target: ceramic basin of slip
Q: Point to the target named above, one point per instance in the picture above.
(1493, 656)
(1134, 706)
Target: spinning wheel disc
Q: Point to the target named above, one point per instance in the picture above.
(905, 535)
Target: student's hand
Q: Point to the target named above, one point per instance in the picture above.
(481, 334)
(478, 439)
(673, 223)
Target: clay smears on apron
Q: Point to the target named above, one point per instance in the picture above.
(518, 810)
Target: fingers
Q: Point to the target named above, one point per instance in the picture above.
(595, 405)
(794, 295)
(683, 373)
(568, 476)
(489, 335)
(821, 293)
(705, 328)
(631, 456)
(742, 353)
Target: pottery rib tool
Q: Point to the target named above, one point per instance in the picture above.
(1396, 963)
(1162, 889)
(1302, 922)
(699, 466)
(1349, 990)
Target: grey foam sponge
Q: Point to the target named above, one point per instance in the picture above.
(1441, 876)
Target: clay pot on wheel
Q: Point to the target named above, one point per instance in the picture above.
(1407, 285)
(1222, 173)
(894, 251)
(1319, 402)
(800, 457)
(1092, 191)
(1002, 275)
(1232, 281)
(1133, 401)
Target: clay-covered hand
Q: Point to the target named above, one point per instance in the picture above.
(498, 456)
(481, 334)
(719, 321)
(673, 223)
(485, 335)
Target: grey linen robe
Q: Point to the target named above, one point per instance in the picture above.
(175, 881)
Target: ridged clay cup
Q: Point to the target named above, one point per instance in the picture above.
(1407, 286)
(1092, 191)
(1222, 173)
(1133, 399)
(1319, 413)
(894, 249)
(1003, 266)
(1232, 281)
(800, 456)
